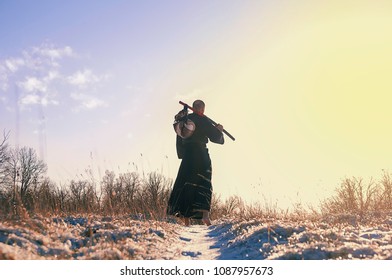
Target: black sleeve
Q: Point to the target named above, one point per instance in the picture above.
(179, 147)
(214, 134)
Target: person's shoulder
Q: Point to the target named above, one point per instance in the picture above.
(194, 116)
(201, 120)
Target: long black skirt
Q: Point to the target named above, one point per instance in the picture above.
(192, 189)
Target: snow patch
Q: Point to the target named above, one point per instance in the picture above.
(129, 237)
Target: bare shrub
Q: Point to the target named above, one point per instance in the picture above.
(62, 194)
(120, 193)
(385, 192)
(110, 196)
(82, 197)
(233, 205)
(4, 158)
(356, 197)
(4, 202)
(216, 210)
(131, 184)
(129, 193)
(39, 198)
(154, 195)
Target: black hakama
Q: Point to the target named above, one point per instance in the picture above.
(192, 189)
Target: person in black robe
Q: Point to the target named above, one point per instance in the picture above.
(192, 189)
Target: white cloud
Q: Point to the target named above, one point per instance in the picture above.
(47, 100)
(36, 90)
(50, 51)
(33, 84)
(42, 59)
(38, 74)
(34, 98)
(30, 99)
(13, 64)
(83, 78)
(3, 78)
(93, 103)
(52, 75)
(87, 102)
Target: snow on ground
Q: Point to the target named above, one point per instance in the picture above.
(126, 237)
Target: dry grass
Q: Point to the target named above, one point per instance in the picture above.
(355, 196)
(127, 193)
(145, 196)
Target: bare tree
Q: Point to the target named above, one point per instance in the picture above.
(155, 194)
(108, 185)
(4, 157)
(62, 194)
(131, 184)
(31, 169)
(82, 196)
(12, 175)
(24, 170)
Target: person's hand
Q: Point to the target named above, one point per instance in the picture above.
(180, 115)
(219, 127)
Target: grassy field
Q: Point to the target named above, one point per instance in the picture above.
(123, 216)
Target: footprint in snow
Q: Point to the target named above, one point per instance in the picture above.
(191, 254)
(185, 239)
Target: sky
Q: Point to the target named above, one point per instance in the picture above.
(303, 86)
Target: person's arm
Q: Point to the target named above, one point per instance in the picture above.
(214, 133)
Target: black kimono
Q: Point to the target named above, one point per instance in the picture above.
(192, 189)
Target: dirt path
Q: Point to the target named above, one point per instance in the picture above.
(198, 244)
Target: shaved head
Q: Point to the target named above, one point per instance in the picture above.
(198, 106)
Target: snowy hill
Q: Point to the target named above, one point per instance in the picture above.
(104, 238)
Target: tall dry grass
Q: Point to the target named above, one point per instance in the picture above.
(356, 196)
(145, 196)
(127, 193)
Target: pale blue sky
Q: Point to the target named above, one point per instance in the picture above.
(95, 84)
